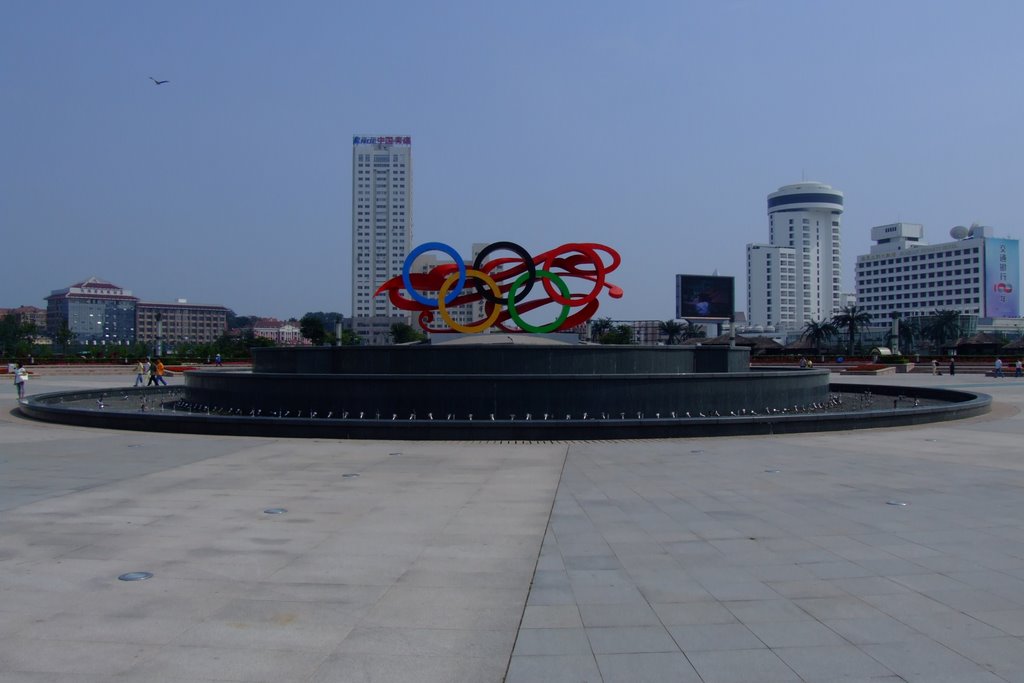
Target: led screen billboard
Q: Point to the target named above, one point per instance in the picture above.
(704, 297)
(1002, 279)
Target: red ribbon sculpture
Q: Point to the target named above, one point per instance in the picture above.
(504, 283)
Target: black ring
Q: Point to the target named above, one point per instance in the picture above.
(531, 268)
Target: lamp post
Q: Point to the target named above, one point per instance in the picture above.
(895, 333)
(159, 335)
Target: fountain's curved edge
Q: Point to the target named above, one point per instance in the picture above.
(958, 405)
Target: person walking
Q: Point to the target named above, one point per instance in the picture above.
(935, 367)
(140, 372)
(999, 367)
(1018, 368)
(20, 377)
(152, 375)
(952, 367)
(160, 372)
(218, 360)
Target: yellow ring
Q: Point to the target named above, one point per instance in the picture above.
(443, 309)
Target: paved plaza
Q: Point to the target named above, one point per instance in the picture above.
(869, 555)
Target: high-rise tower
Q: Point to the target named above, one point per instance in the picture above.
(381, 228)
(797, 276)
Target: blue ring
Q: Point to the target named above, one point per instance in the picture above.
(431, 246)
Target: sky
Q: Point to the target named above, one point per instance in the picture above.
(656, 128)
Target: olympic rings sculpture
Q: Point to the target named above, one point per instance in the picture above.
(503, 284)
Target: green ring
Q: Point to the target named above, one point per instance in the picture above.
(523, 325)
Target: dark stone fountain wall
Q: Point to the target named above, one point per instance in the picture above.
(500, 359)
(458, 380)
(429, 392)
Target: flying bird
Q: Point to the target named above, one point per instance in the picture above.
(158, 82)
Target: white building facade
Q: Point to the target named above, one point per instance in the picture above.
(804, 218)
(975, 274)
(771, 286)
(381, 229)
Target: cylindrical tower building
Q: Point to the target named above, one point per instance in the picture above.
(805, 217)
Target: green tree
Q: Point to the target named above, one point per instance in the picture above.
(328, 318)
(350, 338)
(64, 336)
(250, 340)
(620, 334)
(10, 334)
(239, 322)
(599, 328)
(819, 333)
(852, 319)
(312, 328)
(138, 350)
(943, 327)
(672, 330)
(404, 333)
(237, 345)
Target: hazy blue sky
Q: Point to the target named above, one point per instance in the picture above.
(654, 127)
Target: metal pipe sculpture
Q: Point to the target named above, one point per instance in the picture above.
(503, 284)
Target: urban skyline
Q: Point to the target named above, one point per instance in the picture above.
(655, 129)
(790, 270)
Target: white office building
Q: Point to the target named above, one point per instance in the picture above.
(381, 229)
(771, 282)
(797, 276)
(976, 273)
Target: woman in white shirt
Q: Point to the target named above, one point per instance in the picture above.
(20, 377)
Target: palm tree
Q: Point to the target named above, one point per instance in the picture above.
(671, 329)
(943, 327)
(694, 331)
(819, 332)
(909, 333)
(852, 319)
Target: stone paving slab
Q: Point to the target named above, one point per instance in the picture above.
(733, 559)
(781, 559)
(418, 568)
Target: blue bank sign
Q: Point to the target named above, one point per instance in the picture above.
(1002, 279)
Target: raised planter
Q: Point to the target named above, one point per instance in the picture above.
(871, 370)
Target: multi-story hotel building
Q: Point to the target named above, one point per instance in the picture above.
(797, 276)
(95, 311)
(381, 229)
(976, 274)
(179, 322)
(28, 314)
